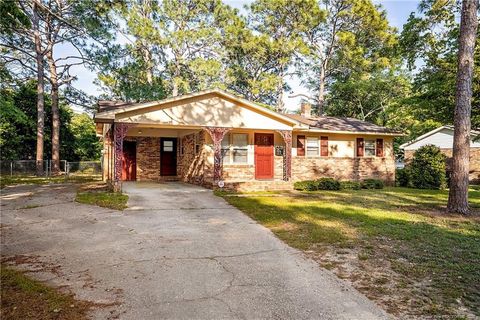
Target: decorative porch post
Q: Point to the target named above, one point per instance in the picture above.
(119, 132)
(287, 157)
(217, 134)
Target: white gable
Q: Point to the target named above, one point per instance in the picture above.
(209, 110)
(442, 139)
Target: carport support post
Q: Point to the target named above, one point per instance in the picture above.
(119, 132)
(217, 135)
(287, 157)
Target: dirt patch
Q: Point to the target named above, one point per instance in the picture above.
(370, 271)
(24, 298)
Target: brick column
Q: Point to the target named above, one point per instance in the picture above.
(287, 157)
(217, 134)
(119, 132)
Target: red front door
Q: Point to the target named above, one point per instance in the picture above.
(263, 156)
(168, 156)
(129, 161)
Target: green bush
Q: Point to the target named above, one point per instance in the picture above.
(328, 184)
(427, 169)
(307, 185)
(320, 184)
(350, 185)
(372, 184)
(402, 177)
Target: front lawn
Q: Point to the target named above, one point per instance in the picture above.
(395, 245)
(24, 298)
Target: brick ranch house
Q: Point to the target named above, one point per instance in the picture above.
(213, 138)
(442, 137)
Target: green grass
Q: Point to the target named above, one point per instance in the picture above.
(435, 258)
(24, 298)
(106, 199)
(16, 180)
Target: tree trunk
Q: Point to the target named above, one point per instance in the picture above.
(55, 113)
(147, 57)
(40, 88)
(280, 104)
(458, 195)
(321, 89)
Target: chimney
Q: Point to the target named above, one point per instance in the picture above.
(306, 109)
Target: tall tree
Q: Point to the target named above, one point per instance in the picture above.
(283, 22)
(429, 42)
(458, 195)
(39, 56)
(354, 36)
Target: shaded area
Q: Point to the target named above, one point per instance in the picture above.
(432, 261)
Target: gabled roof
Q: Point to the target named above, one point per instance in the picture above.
(342, 124)
(428, 134)
(108, 109)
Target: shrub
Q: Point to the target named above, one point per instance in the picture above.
(307, 185)
(427, 169)
(372, 184)
(328, 184)
(402, 177)
(350, 185)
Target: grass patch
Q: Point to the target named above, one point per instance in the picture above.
(16, 180)
(400, 234)
(99, 194)
(24, 298)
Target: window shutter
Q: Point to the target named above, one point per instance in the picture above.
(324, 147)
(301, 146)
(359, 147)
(379, 147)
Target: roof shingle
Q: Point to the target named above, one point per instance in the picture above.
(341, 124)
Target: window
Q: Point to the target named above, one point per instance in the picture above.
(312, 147)
(370, 148)
(235, 148)
(168, 146)
(240, 147)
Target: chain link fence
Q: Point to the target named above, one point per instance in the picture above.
(67, 168)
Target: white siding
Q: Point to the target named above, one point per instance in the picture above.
(442, 139)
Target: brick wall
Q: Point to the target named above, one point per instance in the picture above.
(246, 172)
(195, 167)
(148, 158)
(307, 168)
(474, 174)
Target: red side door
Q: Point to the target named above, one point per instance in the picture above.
(129, 161)
(168, 156)
(263, 156)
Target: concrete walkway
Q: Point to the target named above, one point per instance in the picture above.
(178, 252)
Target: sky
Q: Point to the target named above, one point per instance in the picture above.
(397, 14)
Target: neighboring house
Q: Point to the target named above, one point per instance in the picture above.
(215, 138)
(443, 138)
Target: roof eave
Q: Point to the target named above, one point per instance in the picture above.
(394, 134)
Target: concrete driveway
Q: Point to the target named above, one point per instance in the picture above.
(178, 252)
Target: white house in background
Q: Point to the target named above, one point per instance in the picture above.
(443, 138)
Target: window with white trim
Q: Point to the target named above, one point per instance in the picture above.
(240, 147)
(312, 147)
(370, 148)
(235, 148)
